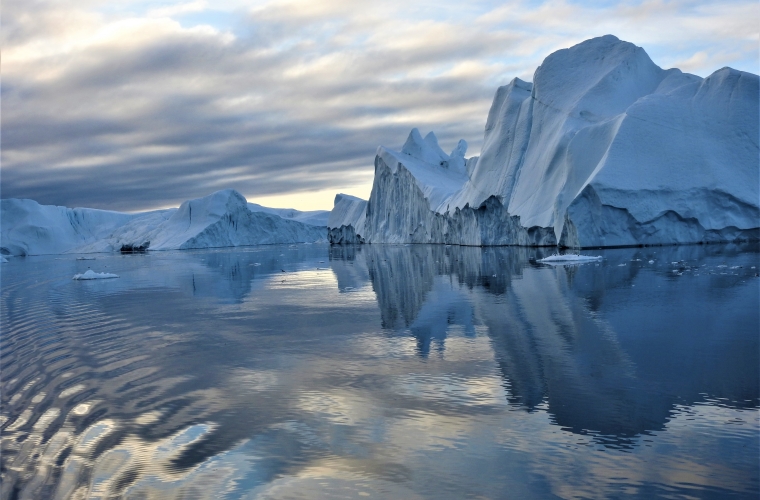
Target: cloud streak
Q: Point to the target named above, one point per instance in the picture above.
(156, 103)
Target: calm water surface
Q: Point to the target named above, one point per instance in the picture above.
(382, 372)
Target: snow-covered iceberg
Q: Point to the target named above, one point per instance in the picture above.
(221, 219)
(603, 149)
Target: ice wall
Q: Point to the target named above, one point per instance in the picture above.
(604, 148)
(346, 222)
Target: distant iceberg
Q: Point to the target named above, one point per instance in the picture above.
(603, 149)
(92, 275)
(222, 219)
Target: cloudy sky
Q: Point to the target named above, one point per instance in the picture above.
(142, 104)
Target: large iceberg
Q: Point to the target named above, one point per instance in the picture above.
(603, 149)
(222, 219)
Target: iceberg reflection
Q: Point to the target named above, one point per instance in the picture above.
(584, 337)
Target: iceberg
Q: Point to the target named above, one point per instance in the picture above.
(92, 275)
(603, 149)
(570, 259)
(347, 220)
(311, 217)
(222, 219)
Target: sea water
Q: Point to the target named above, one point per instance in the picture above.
(422, 371)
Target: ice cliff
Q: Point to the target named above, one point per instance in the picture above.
(221, 219)
(603, 149)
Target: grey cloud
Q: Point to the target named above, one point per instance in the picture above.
(170, 93)
(293, 103)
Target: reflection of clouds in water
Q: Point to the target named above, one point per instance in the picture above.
(375, 346)
(294, 389)
(344, 407)
(671, 459)
(250, 380)
(337, 479)
(452, 389)
(460, 348)
(418, 432)
(312, 289)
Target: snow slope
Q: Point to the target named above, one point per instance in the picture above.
(310, 217)
(604, 148)
(221, 219)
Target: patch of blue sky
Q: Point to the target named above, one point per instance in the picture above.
(217, 19)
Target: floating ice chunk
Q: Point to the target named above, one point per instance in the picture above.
(92, 275)
(651, 262)
(570, 258)
(3, 260)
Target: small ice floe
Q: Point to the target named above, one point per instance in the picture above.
(651, 262)
(622, 265)
(722, 266)
(257, 263)
(636, 260)
(92, 275)
(569, 259)
(3, 260)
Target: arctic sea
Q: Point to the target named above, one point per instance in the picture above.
(379, 371)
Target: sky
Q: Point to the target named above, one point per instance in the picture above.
(137, 105)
